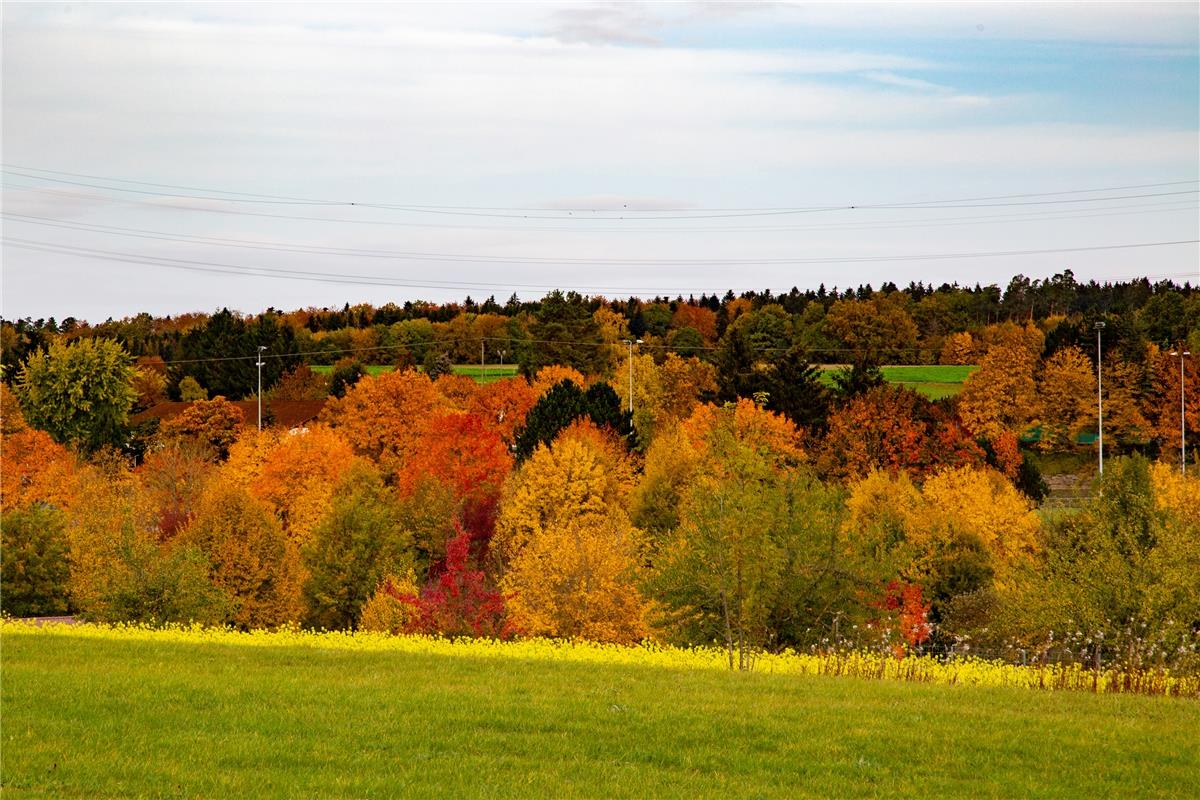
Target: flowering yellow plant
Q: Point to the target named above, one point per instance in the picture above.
(958, 671)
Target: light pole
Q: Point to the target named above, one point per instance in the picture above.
(630, 343)
(1182, 417)
(259, 364)
(1100, 394)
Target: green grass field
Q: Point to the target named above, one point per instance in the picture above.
(100, 718)
(935, 381)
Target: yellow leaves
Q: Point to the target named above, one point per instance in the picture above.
(889, 511)
(1066, 392)
(35, 469)
(984, 504)
(771, 434)
(1001, 395)
(569, 550)
(549, 376)
(251, 560)
(577, 579)
(1173, 492)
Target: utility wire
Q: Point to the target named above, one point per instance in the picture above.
(1144, 208)
(594, 214)
(541, 260)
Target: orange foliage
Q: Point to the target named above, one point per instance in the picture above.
(383, 417)
(298, 475)
(462, 452)
(504, 405)
(213, 422)
(35, 469)
(894, 429)
(702, 319)
(459, 390)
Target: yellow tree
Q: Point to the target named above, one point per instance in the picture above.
(550, 375)
(1123, 397)
(298, 476)
(570, 554)
(958, 348)
(1066, 389)
(250, 558)
(981, 503)
(1001, 395)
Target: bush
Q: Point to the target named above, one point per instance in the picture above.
(35, 567)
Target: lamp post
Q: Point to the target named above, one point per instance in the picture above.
(1100, 394)
(1182, 417)
(630, 343)
(259, 364)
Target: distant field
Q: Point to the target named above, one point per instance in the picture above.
(935, 381)
(149, 716)
(487, 374)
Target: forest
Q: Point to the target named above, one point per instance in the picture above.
(717, 471)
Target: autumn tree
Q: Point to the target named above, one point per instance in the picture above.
(298, 474)
(1002, 394)
(35, 568)
(1066, 388)
(80, 393)
(119, 570)
(504, 404)
(569, 552)
(879, 330)
(958, 348)
(212, 423)
(894, 428)
(357, 543)
(174, 477)
(1162, 403)
(36, 470)
(382, 417)
(250, 560)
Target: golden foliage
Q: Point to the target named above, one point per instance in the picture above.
(958, 348)
(385, 613)
(1066, 391)
(1001, 395)
(570, 553)
(549, 376)
(251, 559)
(772, 434)
(298, 475)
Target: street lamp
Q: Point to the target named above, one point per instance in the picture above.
(259, 364)
(630, 343)
(1100, 395)
(1182, 418)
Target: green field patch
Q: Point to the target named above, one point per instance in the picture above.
(107, 718)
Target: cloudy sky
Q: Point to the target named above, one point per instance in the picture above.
(176, 157)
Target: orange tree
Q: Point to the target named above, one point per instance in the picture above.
(894, 428)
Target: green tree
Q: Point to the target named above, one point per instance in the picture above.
(358, 543)
(563, 332)
(565, 403)
(79, 393)
(35, 566)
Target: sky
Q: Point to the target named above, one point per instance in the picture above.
(188, 157)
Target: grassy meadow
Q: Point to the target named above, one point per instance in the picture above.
(100, 714)
(935, 381)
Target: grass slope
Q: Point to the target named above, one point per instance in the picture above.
(143, 718)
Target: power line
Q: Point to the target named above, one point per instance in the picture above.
(424, 225)
(540, 213)
(1144, 208)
